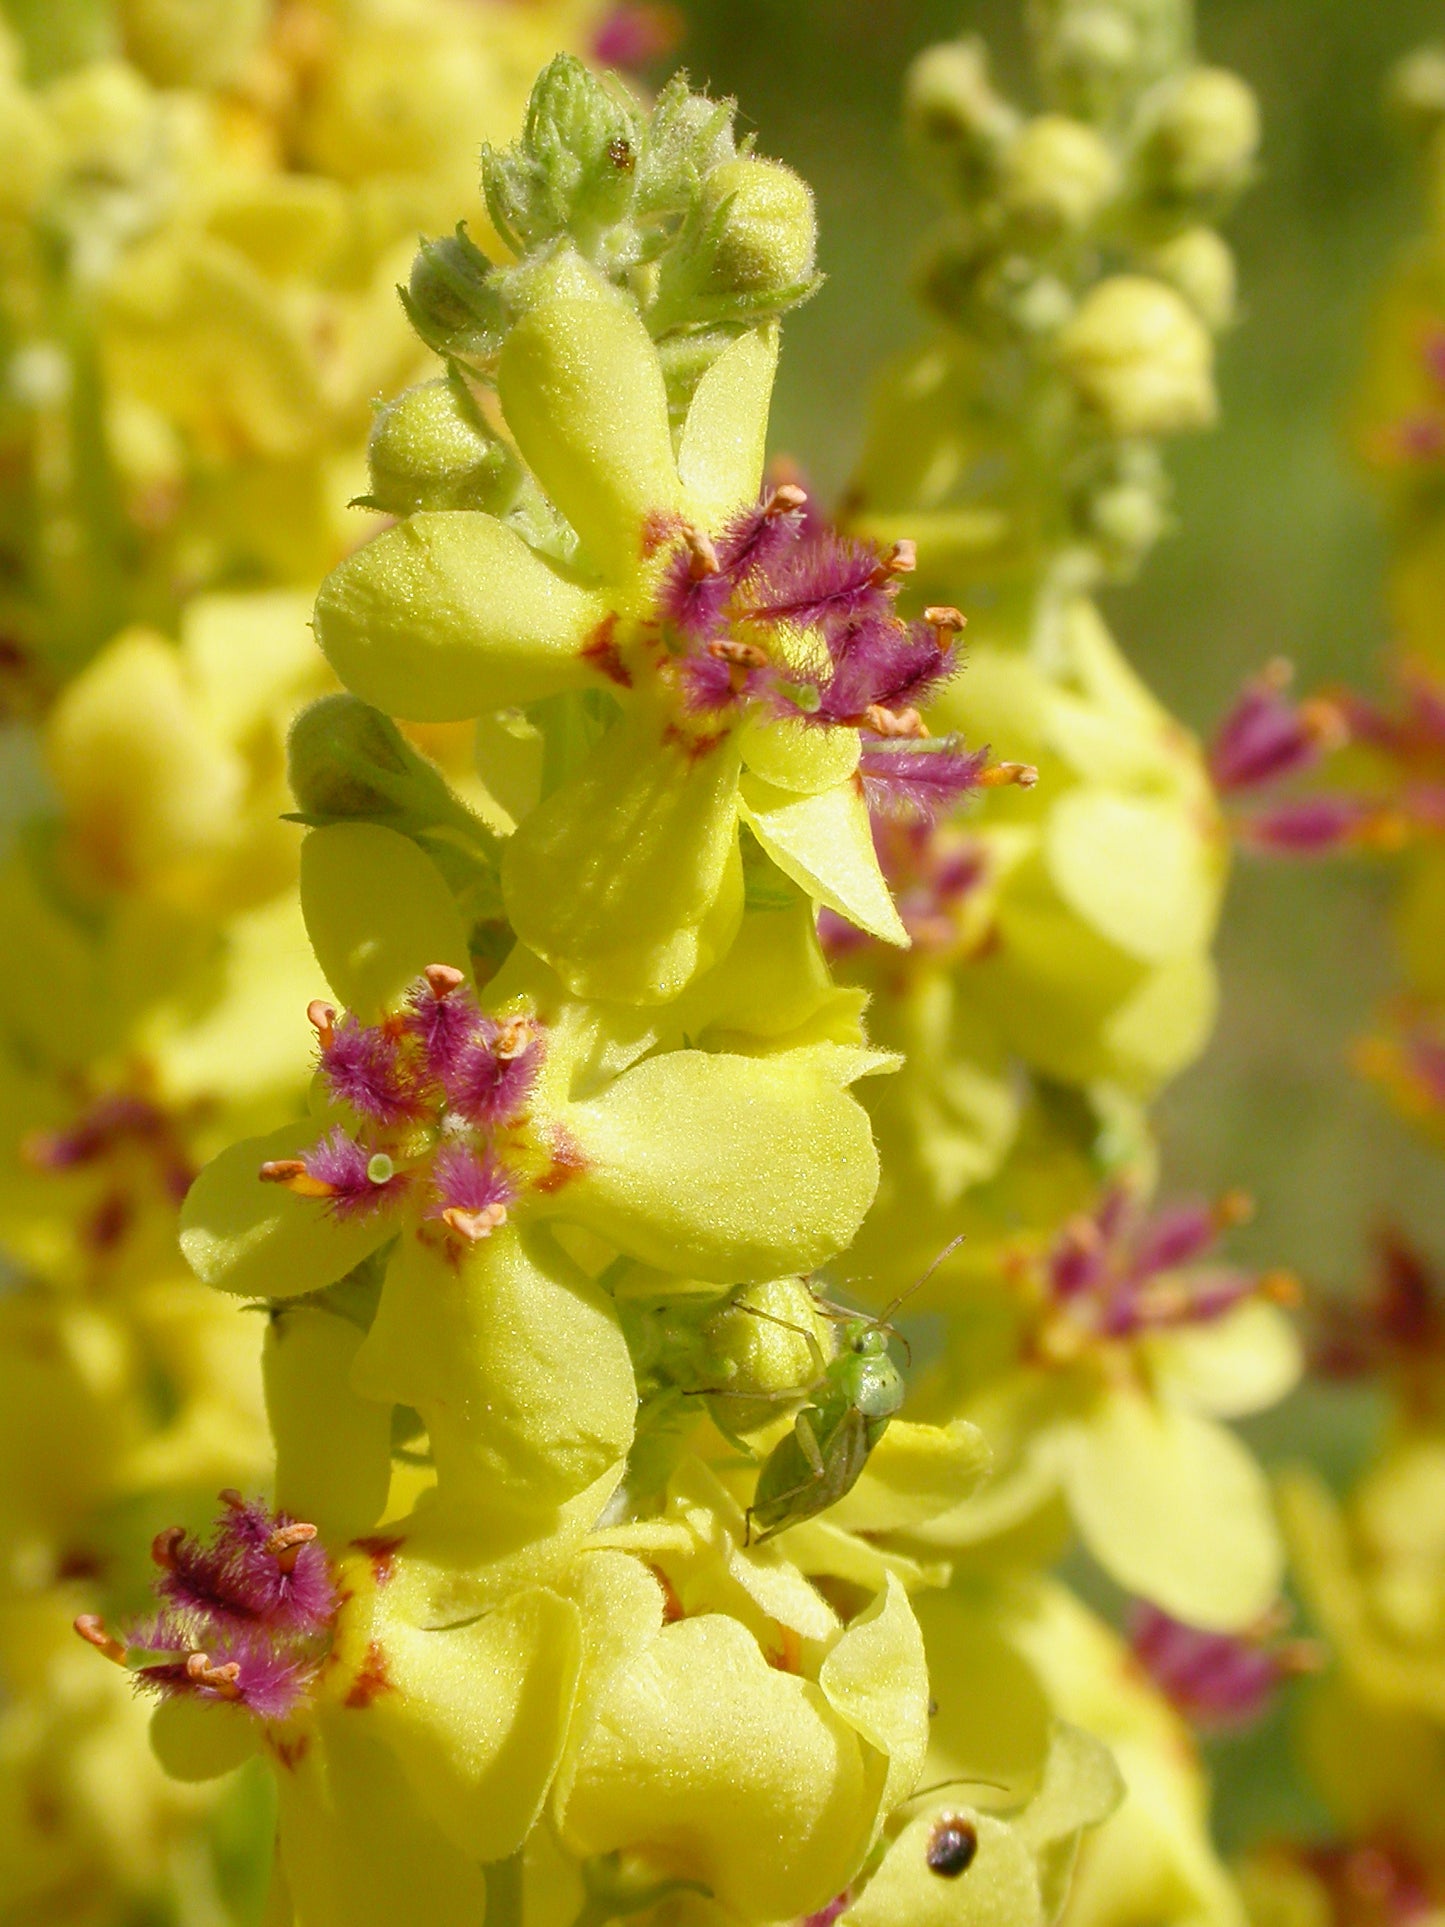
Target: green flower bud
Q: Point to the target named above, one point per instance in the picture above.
(573, 170)
(767, 233)
(1140, 358)
(1058, 175)
(348, 763)
(1097, 43)
(952, 112)
(760, 1359)
(452, 298)
(1201, 266)
(747, 250)
(192, 43)
(1127, 520)
(1204, 139)
(430, 449)
(1417, 90)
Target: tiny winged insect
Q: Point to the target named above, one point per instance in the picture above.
(848, 1409)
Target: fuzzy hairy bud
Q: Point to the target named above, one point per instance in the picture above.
(452, 299)
(430, 449)
(1140, 358)
(1058, 175)
(1204, 138)
(952, 112)
(1201, 266)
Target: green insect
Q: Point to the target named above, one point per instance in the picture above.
(849, 1405)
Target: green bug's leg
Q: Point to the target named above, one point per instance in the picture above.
(808, 1445)
(815, 1350)
(782, 1498)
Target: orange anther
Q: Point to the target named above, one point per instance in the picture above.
(1324, 722)
(1235, 1207)
(165, 1544)
(1296, 1656)
(442, 980)
(91, 1628)
(220, 1679)
(946, 619)
(286, 1542)
(1000, 775)
(293, 1174)
(474, 1225)
(894, 722)
(1282, 1288)
(513, 1037)
(728, 649)
(786, 499)
(704, 556)
(322, 1018)
(901, 559)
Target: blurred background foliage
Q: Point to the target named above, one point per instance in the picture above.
(1278, 552)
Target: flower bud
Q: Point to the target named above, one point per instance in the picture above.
(1096, 43)
(347, 762)
(1417, 90)
(192, 43)
(1205, 136)
(574, 168)
(746, 251)
(345, 759)
(451, 299)
(1140, 358)
(430, 449)
(761, 215)
(765, 1359)
(952, 112)
(1201, 266)
(1127, 519)
(1058, 174)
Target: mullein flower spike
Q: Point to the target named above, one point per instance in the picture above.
(604, 1577)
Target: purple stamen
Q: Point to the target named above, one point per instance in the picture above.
(240, 1574)
(1220, 1682)
(1174, 1237)
(246, 1616)
(345, 1168)
(919, 782)
(818, 581)
(462, 1181)
(1309, 826)
(1266, 737)
(493, 1079)
(444, 1026)
(365, 1067)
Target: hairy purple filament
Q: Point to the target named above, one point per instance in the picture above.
(796, 622)
(1395, 1330)
(436, 1086)
(1268, 737)
(1220, 1682)
(1119, 1273)
(245, 1615)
